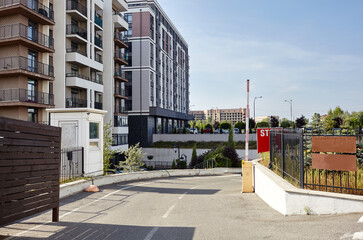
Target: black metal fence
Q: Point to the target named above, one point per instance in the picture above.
(72, 163)
(291, 157)
(24, 95)
(158, 165)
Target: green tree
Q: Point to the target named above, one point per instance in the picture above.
(262, 125)
(252, 124)
(225, 125)
(231, 142)
(316, 123)
(301, 122)
(133, 158)
(194, 159)
(240, 126)
(216, 125)
(107, 143)
(285, 123)
(274, 122)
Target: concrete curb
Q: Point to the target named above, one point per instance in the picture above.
(69, 189)
(289, 200)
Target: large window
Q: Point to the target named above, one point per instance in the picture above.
(32, 115)
(121, 121)
(94, 130)
(32, 90)
(119, 139)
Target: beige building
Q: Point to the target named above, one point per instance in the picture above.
(221, 115)
(26, 59)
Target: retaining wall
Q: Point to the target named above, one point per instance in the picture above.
(201, 137)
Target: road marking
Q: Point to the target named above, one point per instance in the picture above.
(347, 235)
(77, 209)
(151, 233)
(358, 235)
(183, 195)
(360, 220)
(168, 212)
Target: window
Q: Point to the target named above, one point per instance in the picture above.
(151, 55)
(32, 114)
(119, 139)
(128, 17)
(121, 121)
(32, 86)
(32, 31)
(32, 61)
(93, 130)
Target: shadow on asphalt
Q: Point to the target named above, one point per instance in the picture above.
(92, 231)
(169, 190)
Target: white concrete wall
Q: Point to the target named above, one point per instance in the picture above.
(200, 137)
(168, 154)
(289, 200)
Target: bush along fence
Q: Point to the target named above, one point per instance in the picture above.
(332, 163)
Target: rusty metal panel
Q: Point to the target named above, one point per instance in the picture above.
(333, 144)
(335, 162)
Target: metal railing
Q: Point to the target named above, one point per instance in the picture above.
(74, 29)
(23, 63)
(72, 163)
(24, 95)
(20, 30)
(98, 58)
(98, 42)
(121, 37)
(120, 109)
(33, 5)
(120, 55)
(76, 103)
(74, 5)
(119, 73)
(77, 50)
(98, 105)
(122, 16)
(91, 79)
(210, 163)
(98, 21)
(158, 165)
(120, 91)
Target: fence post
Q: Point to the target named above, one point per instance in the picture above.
(271, 149)
(302, 160)
(283, 155)
(82, 161)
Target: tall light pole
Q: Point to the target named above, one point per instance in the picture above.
(290, 101)
(254, 107)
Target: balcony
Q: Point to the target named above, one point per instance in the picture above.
(121, 5)
(98, 42)
(98, 21)
(120, 75)
(76, 10)
(120, 110)
(22, 65)
(12, 97)
(120, 22)
(80, 33)
(91, 79)
(120, 92)
(120, 57)
(98, 105)
(77, 50)
(76, 103)
(19, 33)
(98, 58)
(121, 39)
(31, 9)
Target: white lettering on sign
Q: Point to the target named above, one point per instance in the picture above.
(265, 131)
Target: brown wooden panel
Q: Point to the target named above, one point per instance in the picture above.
(23, 208)
(26, 188)
(7, 177)
(28, 149)
(27, 142)
(22, 182)
(29, 136)
(19, 156)
(336, 144)
(32, 168)
(29, 162)
(25, 201)
(23, 195)
(338, 162)
(27, 127)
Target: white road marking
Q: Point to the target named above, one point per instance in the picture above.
(77, 209)
(358, 235)
(168, 212)
(360, 220)
(183, 195)
(151, 233)
(347, 235)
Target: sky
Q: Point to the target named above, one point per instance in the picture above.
(310, 52)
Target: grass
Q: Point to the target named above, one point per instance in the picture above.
(201, 145)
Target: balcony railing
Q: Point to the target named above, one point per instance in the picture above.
(24, 95)
(98, 105)
(120, 55)
(23, 63)
(91, 79)
(120, 73)
(33, 5)
(98, 20)
(77, 50)
(120, 109)
(74, 5)
(98, 58)
(121, 37)
(76, 103)
(74, 29)
(98, 42)
(122, 16)
(20, 30)
(120, 91)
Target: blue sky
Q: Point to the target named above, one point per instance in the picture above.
(309, 51)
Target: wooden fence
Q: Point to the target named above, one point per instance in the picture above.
(29, 169)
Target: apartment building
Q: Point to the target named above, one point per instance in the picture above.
(221, 115)
(158, 73)
(26, 59)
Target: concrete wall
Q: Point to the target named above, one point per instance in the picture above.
(289, 200)
(168, 154)
(200, 137)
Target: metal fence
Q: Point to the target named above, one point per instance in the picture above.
(72, 163)
(157, 165)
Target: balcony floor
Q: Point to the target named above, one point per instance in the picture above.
(27, 12)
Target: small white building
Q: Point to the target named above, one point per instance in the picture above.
(82, 127)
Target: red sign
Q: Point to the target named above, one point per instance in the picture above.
(263, 140)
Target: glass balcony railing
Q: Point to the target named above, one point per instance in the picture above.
(98, 42)
(76, 103)
(120, 55)
(74, 29)
(120, 91)
(75, 5)
(77, 50)
(121, 37)
(24, 95)
(98, 20)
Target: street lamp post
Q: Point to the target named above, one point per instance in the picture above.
(290, 101)
(254, 107)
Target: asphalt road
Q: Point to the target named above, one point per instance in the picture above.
(178, 208)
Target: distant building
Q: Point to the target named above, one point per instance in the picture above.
(261, 119)
(221, 115)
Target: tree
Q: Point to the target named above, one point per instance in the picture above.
(133, 156)
(285, 123)
(225, 125)
(232, 154)
(193, 161)
(262, 125)
(274, 122)
(300, 122)
(316, 123)
(207, 126)
(107, 143)
(230, 142)
(240, 126)
(252, 124)
(216, 125)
